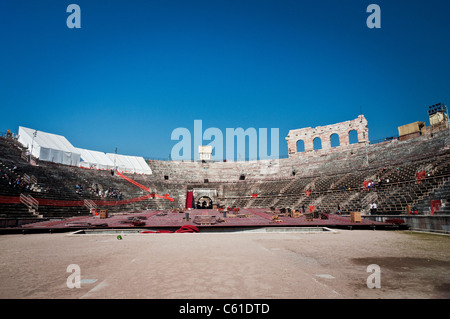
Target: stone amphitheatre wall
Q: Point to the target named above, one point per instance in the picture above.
(302, 164)
(282, 181)
(270, 177)
(243, 177)
(342, 131)
(307, 162)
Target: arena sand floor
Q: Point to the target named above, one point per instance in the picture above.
(247, 265)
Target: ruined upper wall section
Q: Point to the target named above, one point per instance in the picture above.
(342, 129)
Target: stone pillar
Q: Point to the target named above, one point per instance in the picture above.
(344, 139)
(309, 145)
(326, 141)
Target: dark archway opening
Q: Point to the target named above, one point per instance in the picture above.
(204, 202)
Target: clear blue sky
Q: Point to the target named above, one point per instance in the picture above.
(137, 70)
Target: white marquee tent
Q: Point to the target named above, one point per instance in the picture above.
(49, 147)
(56, 148)
(124, 163)
(95, 159)
(130, 164)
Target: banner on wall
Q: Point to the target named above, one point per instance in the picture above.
(420, 176)
(435, 206)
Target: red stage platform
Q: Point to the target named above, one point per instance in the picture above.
(209, 218)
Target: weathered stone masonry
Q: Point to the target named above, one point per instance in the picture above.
(342, 129)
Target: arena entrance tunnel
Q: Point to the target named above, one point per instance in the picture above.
(204, 202)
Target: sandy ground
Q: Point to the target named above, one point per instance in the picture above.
(226, 265)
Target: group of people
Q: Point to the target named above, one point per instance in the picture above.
(79, 189)
(14, 182)
(373, 208)
(18, 182)
(109, 193)
(370, 184)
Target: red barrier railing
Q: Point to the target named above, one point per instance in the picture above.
(166, 196)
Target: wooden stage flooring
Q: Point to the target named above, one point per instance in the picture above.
(166, 219)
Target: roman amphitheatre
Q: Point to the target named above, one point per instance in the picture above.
(301, 227)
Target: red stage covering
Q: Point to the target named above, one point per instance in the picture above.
(257, 217)
(189, 197)
(71, 203)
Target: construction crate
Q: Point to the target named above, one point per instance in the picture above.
(355, 217)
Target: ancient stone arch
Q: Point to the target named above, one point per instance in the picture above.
(205, 192)
(317, 142)
(342, 129)
(338, 139)
(300, 145)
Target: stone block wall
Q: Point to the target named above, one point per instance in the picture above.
(342, 129)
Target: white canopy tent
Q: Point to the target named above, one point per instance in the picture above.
(49, 147)
(95, 159)
(56, 148)
(130, 164)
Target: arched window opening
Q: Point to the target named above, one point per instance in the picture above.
(353, 137)
(300, 146)
(317, 143)
(334, 140)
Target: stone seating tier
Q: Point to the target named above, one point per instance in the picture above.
(325, 175)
